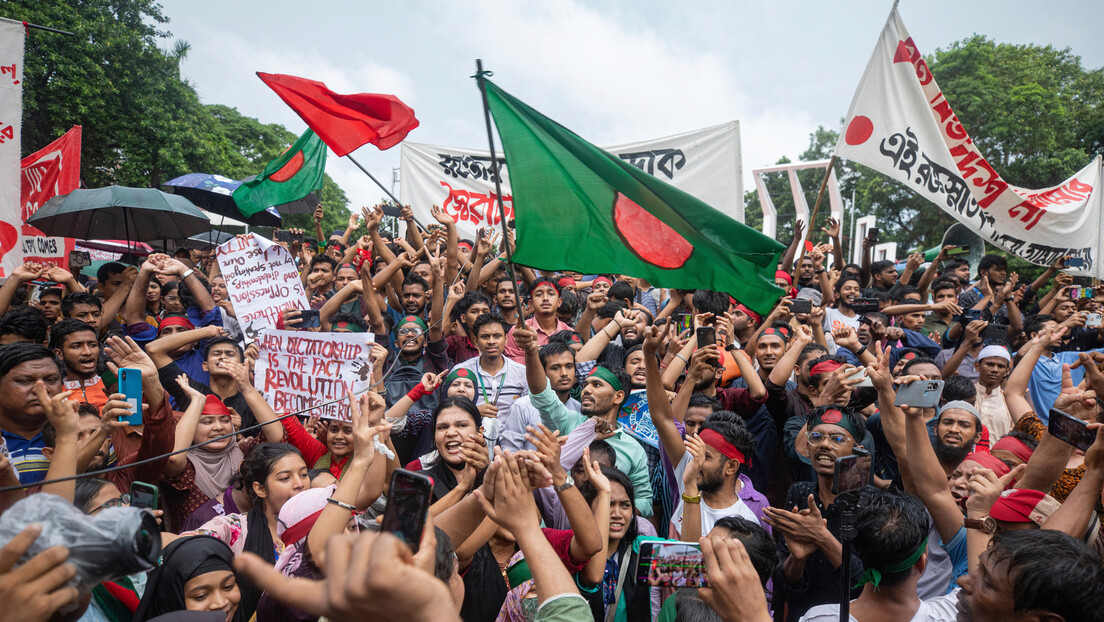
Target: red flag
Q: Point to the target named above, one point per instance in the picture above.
(344, 122)
(51, 171)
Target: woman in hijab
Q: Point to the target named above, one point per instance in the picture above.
(195, 574)
(195, 477)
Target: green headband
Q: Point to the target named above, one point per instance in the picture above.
(409, 319)
(873, 575)
(835, 416)
(604, 374)
(349, 326)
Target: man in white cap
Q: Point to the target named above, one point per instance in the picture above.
(993, 364)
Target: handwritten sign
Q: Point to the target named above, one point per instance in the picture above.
(299, 369)
(12, 35)
(262, 280)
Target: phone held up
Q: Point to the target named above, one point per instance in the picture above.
(919, 394)
(1070, 430)
(130, 385)
(143, 495)
(852, 472)
(408, 503)
(309, 318)
(671, 564)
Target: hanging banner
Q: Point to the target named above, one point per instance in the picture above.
(704, 163)
(261, 280)
(12, 35)
(901, 125)
(51, 171)
(299, 369)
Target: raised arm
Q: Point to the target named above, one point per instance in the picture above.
(791, 250)
(62, 276)
(135, 309)
(200, 293)
(159, 348)
(273, 431)
(928, 277)
(928, 476)
(594, 301)
(437, 299)
(785, 365)
(332, 307)
(587, 541)
(833, 233)
(113, 304)
(185, 428)
(973, 329)
(62, 414)
(658, 407)
(22, 274)
(1075, 513)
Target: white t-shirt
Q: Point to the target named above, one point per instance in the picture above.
(941, 609)
(834, 318)
(709, 516)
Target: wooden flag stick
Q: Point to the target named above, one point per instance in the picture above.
(816, 208)
(479, 76)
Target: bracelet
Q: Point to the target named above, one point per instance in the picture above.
(187, 273)
(859, 353)
(341, 504)
(688, 499)
(821, 271)
(677, 355)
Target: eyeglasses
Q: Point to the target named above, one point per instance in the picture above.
(113, 503)
(835, 440)
(410, 330)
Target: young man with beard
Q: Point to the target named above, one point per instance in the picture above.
(499, 381)
(604, 391)
(813, 554)
(420, 349)
(78, 347)
(992, 272)
(506, 301)
(847, 290)
(957, 430)
(558, 361)
(545, 298)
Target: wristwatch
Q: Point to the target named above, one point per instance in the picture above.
(821, 271)
(567, 483)
(732, 347)
(985, 524)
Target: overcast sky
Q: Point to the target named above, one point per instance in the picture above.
(614, 72)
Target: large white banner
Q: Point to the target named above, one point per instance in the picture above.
(11, 117)
(901, 125)
(261, 280)
(704, 163)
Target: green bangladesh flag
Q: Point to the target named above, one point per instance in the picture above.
(580, 208)
(295, 174)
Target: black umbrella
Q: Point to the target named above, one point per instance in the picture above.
(208, 240)
(214, 193)
(141, 214)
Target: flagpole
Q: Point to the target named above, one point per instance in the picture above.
(816, 207)
(382, 187)
(479, 77)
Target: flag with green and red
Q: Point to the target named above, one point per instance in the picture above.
(296, 173)
(580, 208)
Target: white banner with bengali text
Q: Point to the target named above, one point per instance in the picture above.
(300, 369)
(704, 163)
(261, 281)
(901, 125)
(12, 35)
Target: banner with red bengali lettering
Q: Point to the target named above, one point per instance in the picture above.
(901, 125)
(704, 163)
(12, 35)
(51, 171)
(301, 369)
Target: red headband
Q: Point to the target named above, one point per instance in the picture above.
(1013, 445)
(751, 314)
(214, 406)
(464, 245)
(785, 276)
(601, 278)
(825, 367)
(566, 281)
(718, 442)
(175, 320)
(1018, 506)
(989, 461)
(299, 530)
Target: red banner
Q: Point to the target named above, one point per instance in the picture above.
(51, 171)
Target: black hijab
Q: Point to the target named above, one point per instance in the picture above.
(182, 560)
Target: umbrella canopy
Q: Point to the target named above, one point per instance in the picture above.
(207, 240)
(143, 214)
(117, 246)
(214, 193)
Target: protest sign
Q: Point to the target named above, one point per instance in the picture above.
(704, 163)
(299, 369)
(12, 35)
(901, 125)
(49, 172)
(261, 280)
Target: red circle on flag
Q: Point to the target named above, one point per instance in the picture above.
(288, 170)
(648, 237)
(832, 416)
(859, 130)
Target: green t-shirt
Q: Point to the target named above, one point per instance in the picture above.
(564, 608)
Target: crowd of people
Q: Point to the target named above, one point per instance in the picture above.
(565, 420)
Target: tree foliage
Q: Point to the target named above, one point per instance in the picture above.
(142, 123)
(1035, 112)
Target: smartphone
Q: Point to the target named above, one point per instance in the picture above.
(852, 472)
(969, 315)
(1087, 292)
(1070, 430)
(130, 385)
(801, 305)
(1075, 262)
(995, 333)
(671, 564)
(872, 233)
(707, 336)
(683, 322)
(408, 503)
(1093, 320)
(390, 209)
(958, 250)
(860, 373)
(143, 495)
(920, 394)
(283, 235)
(310, 318)
(865, 305)
(79, 259)
(1075, 293)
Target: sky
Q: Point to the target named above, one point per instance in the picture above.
(614, 72)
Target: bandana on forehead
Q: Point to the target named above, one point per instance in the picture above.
(463, 244)
(602, 278)
(825, 367)
(349, 326)
(541, 282)
(748, 312)
(835, 416)
(412, 319)
(175, 320)
(781, 333)
(566, 281)
(604, 374)
(715, 440)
